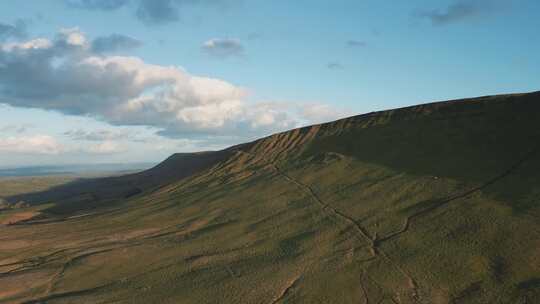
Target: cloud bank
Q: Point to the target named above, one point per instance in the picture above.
(38, 144)
(66, 74)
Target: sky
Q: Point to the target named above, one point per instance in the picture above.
(127, 81)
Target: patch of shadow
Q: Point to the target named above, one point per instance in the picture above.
(326, 158)
(528, 291)
(299, 203)
(291, 247)
(472, 291)
(269, 219)
(423, 205)
(530, 284)
(211, 228)
(499, 268)
(69, 294)
(525, 205)
(193, 258)
(132, 192)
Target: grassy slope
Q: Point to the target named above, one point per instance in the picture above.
(428, 204)
(11, 186)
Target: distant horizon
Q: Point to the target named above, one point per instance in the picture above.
(70, 169)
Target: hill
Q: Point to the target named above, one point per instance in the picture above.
(436, 203)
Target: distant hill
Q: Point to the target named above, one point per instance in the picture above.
(435, 203)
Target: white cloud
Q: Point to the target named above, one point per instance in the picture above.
(38, 144)
(106, 147)
(66, 75)
(73, 36)
(39, 43)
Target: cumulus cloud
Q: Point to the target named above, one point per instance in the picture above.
(223, 48)
(71, 37)
(16, 30)
(458, 11)
(105, 5)
(114, 43)
(37, 144)
(66, 75)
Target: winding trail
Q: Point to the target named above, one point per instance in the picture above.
(286, 290)
(375, 252)
(58, 276)
(446, 201)
(364, 291)
(326, 207)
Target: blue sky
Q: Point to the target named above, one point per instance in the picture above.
(85, 81)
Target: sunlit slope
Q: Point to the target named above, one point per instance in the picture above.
(437, 203)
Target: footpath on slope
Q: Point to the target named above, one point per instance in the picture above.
(530, 154)
(376, 252)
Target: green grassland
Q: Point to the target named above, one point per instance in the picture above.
(10, 186)
(438, 203)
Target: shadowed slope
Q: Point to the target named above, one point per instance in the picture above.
(87, 193)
